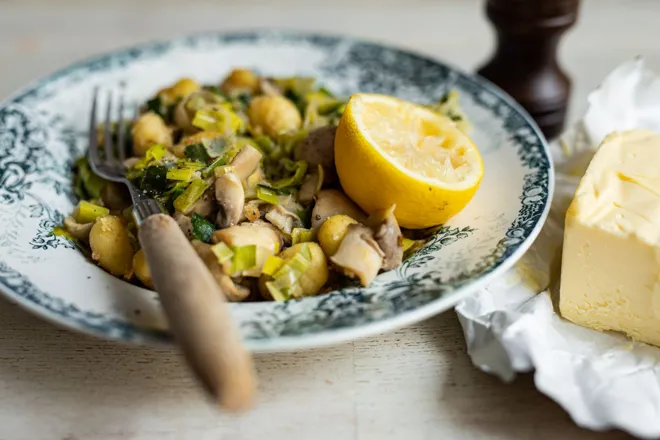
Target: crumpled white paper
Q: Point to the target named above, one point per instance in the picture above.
(603, 380)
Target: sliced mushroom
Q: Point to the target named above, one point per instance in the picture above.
(388, 236)
(330, 202)
(204, 206)
(359, 255)
(318, 148)
(246, 161)
(231, 197)
(185, 223)
(282, 219)
(232, 291)
(309, 187)
(79, 231)
(263, 237)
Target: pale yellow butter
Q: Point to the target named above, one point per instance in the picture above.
(610, 277)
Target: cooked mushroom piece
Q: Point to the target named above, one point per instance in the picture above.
(185, 223)
(231, 197)
(283, 219)
(266, 240)
(204, 206)
(246, 161)
(309, 187)
(318, 148)
(233, 292)
(359, 255)
(388, 236)
(77, 230)
(115, 196)
(331, 202)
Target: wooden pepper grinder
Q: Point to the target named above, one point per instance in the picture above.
(525, 61)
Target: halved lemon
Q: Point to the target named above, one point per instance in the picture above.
(392, 152)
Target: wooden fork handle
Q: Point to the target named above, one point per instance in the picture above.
(198, 314)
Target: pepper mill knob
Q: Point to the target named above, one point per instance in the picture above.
(525, 61)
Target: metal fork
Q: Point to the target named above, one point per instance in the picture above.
(195, 306)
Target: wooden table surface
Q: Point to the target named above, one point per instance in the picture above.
(416, 383)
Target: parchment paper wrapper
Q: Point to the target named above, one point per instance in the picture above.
(603, 380)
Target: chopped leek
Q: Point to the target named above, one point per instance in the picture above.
(221, 171)
(272, 265)
(61, 232)
(153, 154)
(277, 294)
(407, 244)
(222, 252)
(181, 174)
(202, 229)
(296, 179)
(209, 170)
(289, 141)
(87, 184)
(305, 216)
(154, 179)
(220, 119)
(266, 144)
(267, 195)
(320, 177)
(197, 152)
(245, 257)
(188, 198)
(278, 191)
(87, 212)
(301, 235)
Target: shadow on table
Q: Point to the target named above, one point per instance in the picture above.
(500, 407)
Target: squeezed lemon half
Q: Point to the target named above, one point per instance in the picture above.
(389, 151)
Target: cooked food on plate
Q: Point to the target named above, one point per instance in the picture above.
(283, 189)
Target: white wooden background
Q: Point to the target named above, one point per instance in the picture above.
(417, 383)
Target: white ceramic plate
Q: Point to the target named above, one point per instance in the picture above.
(42, 131)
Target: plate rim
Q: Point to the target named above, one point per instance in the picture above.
(330, 336)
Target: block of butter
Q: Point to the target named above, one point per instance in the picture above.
(610, 275)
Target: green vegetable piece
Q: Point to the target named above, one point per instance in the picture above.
(296, 179)
(181, 174)
(188, 198)
(222, 252)
(301, 235)
(277, 294)
(61, 232)
(407, 244)
(208, 171)
(154, 154)
(272, 265)
(87, 212)
(202, 229)
(221, 119)
(154, 179)
(197, 152)
(89, 185)
(245, 257)
(157, 106)
(305, 216)
(267, 195)
(266, 144)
